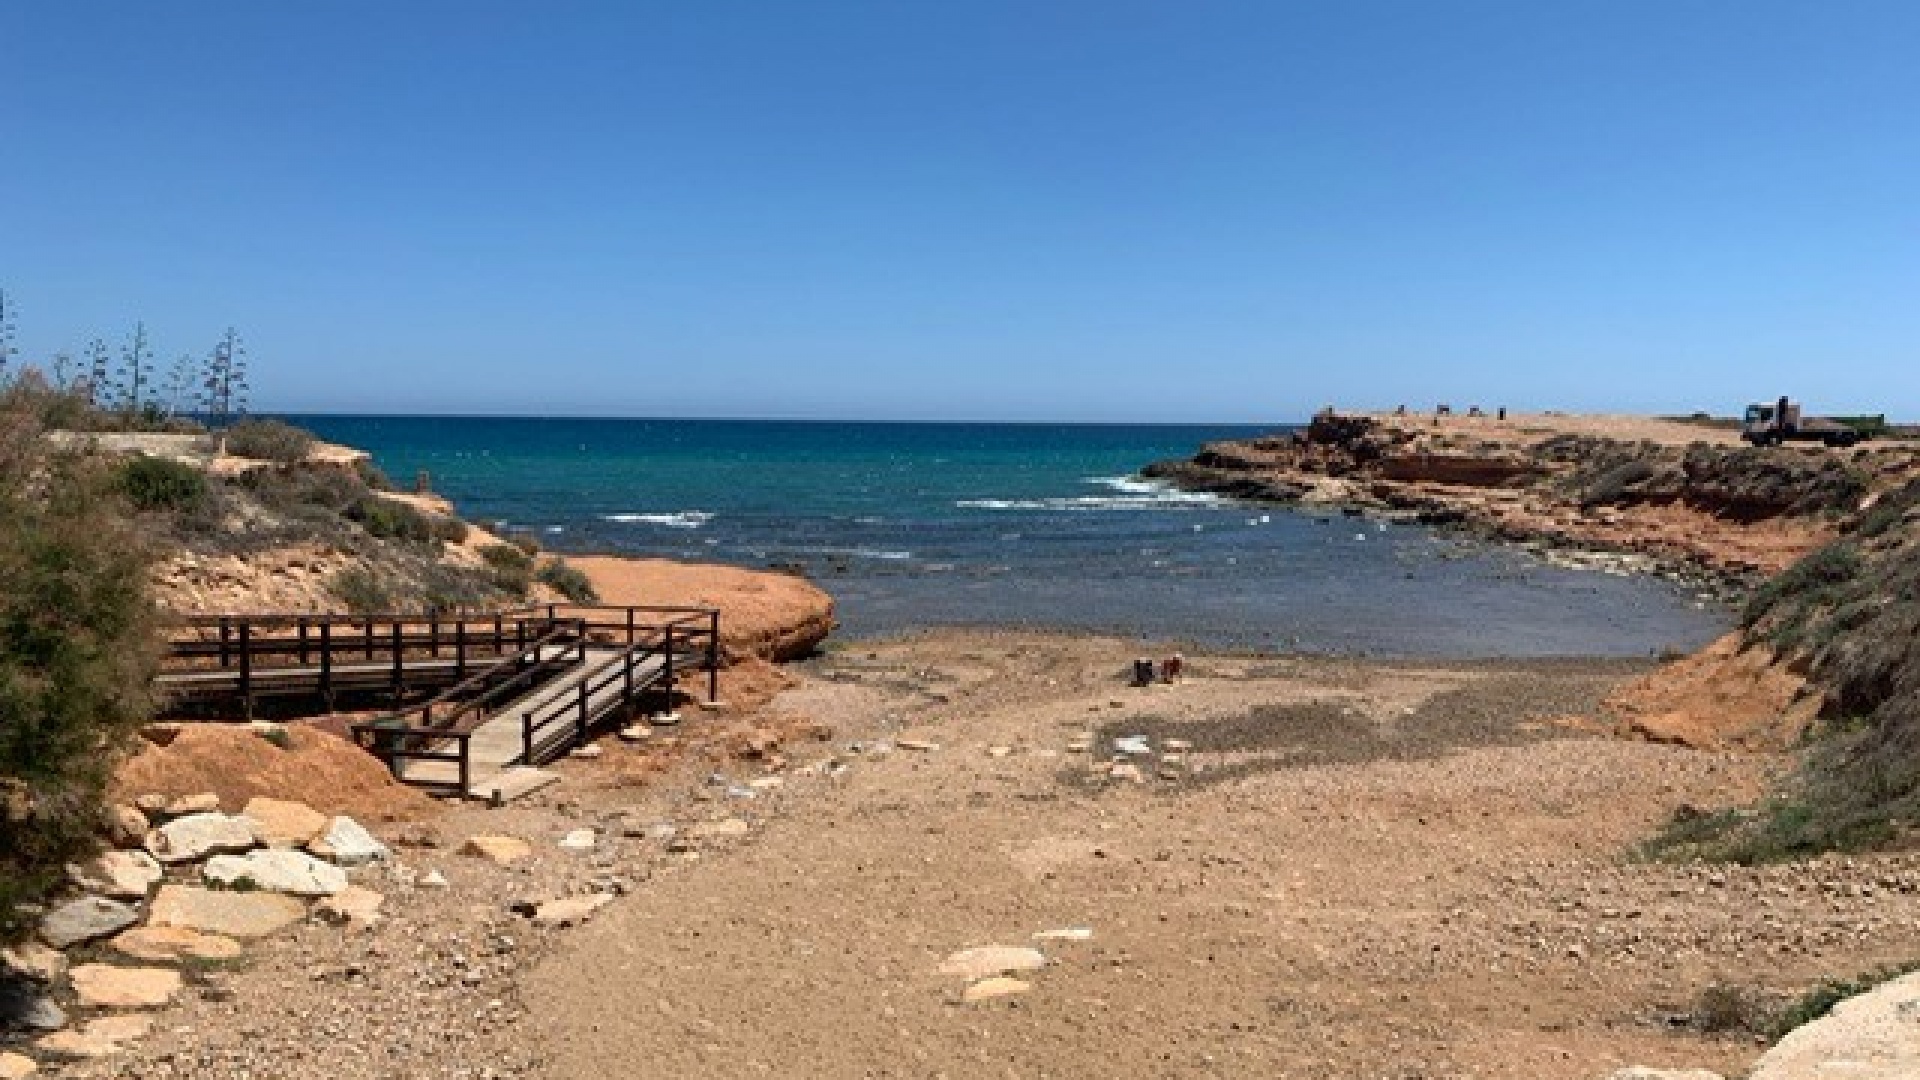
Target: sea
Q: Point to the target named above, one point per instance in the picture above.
(916, 526)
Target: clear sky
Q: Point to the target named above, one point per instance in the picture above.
(1001, 209)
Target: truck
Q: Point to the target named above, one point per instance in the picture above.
(1771, 425)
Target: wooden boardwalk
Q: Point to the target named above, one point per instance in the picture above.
(509, 690)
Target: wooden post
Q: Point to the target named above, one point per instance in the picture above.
(581, 735)
(713, 656)
(460, 650)
(399, 671)
(526, 738)
(326, 661)
(303, 641)
(667, 652)
(466, 777)
(246, 666)
(226, 632)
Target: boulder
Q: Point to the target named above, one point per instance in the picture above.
(197, 836)
(990, 960)
(85, 919)
(206, 802)
(16, 1066)
(104, 986)
(499, 850)
(1869, 1037)
(174, 943)
(278, 823)
(122, 875)
(230, 914)
(347, 843)
(277, 870)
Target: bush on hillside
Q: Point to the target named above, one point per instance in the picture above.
(77, 649)
(163, 485)
(361, 591)
(567, 580)
(390, 520)
(510, 568)
(269, 440)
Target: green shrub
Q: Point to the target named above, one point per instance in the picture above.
(370, 475)
(362, 591)
(164, 485)
(390, 520)
(510, 568)
(269, 440)
(447, 530)
(77, 654)
(567, 580)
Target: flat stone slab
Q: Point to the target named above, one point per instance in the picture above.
(229, 914)
(973, 964)
(104, 986)
(571, 910)
(174, 943)
(348, 843)
(197, 836)
(24, 1005)
(85, 919)
(277, 870)
(499, 850)
(280, 823)
(97, 1039)
(120, 875)
(16, 1066)
(353, 906)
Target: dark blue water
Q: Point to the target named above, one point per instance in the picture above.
(919, 525)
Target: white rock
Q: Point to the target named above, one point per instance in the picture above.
(432, 879)
(197, 836)
(1870, 1037)
(973, 964)
(347, 843)
(998, 986)
(277, 870)
(578, 840)
(1066, 933)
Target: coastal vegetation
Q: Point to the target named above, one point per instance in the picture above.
(77, 643)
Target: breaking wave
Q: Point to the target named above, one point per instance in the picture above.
(685, 519)
(1130, 493)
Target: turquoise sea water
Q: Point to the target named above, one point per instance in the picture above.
(921, 525)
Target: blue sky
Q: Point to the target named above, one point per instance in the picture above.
(1100, 210)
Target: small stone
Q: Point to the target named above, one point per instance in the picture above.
(979, 963)
(999, 751)
(432, 879)
(354, 907)
(499, 850)
(197, 836)
(1132, 746)
(571, 910)
(126, 825)
(279, 823)
(1127, 770)
(1176, 746)
(122, 875)
(277, 870)
(231, 914)
(1079, 746)
(636, 733)
(997, 987)
(1068, 933)
(104, 986)
(1642, 1073)
(578, 840)
(347, 843)
(174, 943)
(707, 830)
(917, 744)
(587, 753)
(85, 919)
(767, 783)
(16, 1066)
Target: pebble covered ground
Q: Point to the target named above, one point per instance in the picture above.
(1280, 866)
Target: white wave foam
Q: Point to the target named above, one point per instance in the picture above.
(685, 519)
(1130, 493)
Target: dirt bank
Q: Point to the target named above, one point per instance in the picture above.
(1685, 497)
(775, 617)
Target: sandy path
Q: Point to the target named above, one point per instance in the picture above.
(1425, 884)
